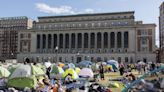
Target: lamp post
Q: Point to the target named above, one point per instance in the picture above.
(56, 49)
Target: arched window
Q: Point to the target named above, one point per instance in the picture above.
(99, 40)
(61, 41)
(73, 40)
(119, 40)
(49, 41)
(66, 40)
(126, 40)
(85, 40)
(105, 40)
(38, 41)
(92, 40)
(79, 39)
(112, 39)
(44, 41)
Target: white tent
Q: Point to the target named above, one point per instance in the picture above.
(86, 72)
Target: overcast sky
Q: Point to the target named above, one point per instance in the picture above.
(146, 10)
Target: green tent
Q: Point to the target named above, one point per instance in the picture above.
(4, 72)
(25, 76)
(56, 70)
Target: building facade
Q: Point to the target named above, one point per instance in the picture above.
(9, 28)
(161, 31)
(94, 37)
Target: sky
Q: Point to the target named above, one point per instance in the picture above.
(145, 10)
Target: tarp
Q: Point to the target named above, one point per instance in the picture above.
(4, 72)
(86, 72)
(72, 72)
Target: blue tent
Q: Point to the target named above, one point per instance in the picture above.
(114, 64)
(85, 63)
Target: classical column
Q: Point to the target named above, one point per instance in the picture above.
(115, 33)
(64, 41)
(102, 40)
(47, 43)
(70, 38)
(122, 39)
(52, 42)
(109, 40)
(95, 40)
(76, 40)
(82, 37)
(89, 41)
(41, 42)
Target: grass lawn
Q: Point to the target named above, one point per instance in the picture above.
(114, 75)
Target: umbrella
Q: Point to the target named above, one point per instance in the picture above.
(72, 72)
(86, 72)
(47, 64)
(4, 72)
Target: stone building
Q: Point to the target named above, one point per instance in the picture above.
(94, 37)
(9, 28)
(161, 31)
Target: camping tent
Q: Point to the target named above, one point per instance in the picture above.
(85, 63)
(4, 72)
(56, 70)
(25, 76)
(77, 70)
(72, 72)
(114, 64)
(86, 72)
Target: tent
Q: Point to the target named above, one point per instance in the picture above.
(25, 76)
(114, 64)
(86, 72)
(85, 63)
(4, 72)
(61, 64)
(12, 68)
(72, 72)
(47, 64)
(71, 65)
(56, 70)
(77, 70)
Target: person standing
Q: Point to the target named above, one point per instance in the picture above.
(101, 72)
(121, 70)
(48, 70)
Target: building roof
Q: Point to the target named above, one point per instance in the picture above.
(93, 14)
